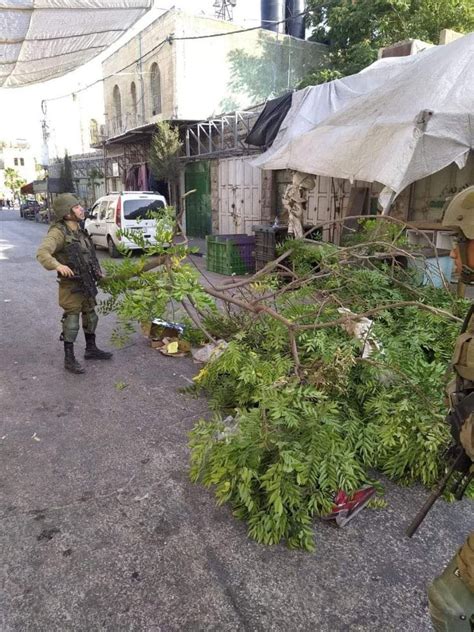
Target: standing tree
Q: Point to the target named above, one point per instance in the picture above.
(356, 29)
(164, 157)
(67, 183)
(13, 181)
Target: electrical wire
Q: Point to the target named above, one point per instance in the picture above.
(170, 39)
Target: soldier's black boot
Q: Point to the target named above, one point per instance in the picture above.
(70, 362)
(93, 352)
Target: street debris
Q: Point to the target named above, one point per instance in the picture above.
(209, 352)
(360, 327)
(139, 499)
(230, 428)
(173, 347)
(347, 506)
(35, 437)
(159, 328)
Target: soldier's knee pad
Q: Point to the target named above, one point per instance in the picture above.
(70, 327)
(451, 602)
(89, 321)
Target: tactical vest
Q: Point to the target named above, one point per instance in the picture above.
(463, 364)
(71, 236)
(463, 358)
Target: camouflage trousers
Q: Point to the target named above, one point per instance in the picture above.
(75, 304)
(451, 595)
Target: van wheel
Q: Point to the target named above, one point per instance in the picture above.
(113, 252)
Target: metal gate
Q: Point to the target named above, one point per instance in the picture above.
(240, 192)
(198, 204)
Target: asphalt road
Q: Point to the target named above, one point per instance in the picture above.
(102, 530)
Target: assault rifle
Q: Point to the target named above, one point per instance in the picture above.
(460, 464)
(87, 273)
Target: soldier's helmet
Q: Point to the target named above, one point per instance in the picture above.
(63, 204)
(459, 212)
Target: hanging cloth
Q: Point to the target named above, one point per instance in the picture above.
(142, 178)
(266, 127)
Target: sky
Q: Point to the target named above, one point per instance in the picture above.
(20, 108)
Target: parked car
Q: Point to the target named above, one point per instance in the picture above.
(128, 210)
(29, 209)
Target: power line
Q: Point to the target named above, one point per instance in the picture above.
(170, 39)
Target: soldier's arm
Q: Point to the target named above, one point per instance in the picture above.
(51, 244)
(465, 561)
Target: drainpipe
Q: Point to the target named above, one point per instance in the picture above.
(140, 73)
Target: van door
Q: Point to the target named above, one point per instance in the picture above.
(135, 214)
(92, 223)
(100, 226)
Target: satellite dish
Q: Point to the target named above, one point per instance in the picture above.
(233, 3)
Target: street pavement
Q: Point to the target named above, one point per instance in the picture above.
(101, 528)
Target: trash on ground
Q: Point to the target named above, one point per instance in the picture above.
(346, 507)
(211, 351)
(172, 347)
(231, 427)
(159, 328)
(360, 328)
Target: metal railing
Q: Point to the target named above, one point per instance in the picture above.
(221, 135)
(118, 125)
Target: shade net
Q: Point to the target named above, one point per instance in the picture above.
(44, 39)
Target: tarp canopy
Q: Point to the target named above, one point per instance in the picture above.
(397, 121)
(44, 39)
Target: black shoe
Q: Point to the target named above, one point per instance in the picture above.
(70, 362)
(93, 352)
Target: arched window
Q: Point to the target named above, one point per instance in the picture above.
(133, 95)
(155, 89)
(94, 131)
(117, 107)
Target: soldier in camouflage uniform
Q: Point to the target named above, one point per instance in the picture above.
(55, 253)
(451, 596)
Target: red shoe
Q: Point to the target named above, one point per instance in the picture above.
(347, 507)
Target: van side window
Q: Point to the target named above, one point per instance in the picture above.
(102, 209)
(94, 211)
(110, 212)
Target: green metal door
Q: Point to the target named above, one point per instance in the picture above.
(198, 204)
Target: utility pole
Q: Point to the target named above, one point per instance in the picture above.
(45, 133)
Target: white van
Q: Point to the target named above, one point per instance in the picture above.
(127, 210)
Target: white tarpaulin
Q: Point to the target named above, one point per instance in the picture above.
(43, 39)
(399, 120)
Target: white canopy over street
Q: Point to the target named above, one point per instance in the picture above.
(44, 39)
(399, 120)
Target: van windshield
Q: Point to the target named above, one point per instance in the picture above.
(140, 209)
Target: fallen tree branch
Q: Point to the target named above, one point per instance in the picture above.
(339, 321)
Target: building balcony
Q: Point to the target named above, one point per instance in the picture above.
(118, 125)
